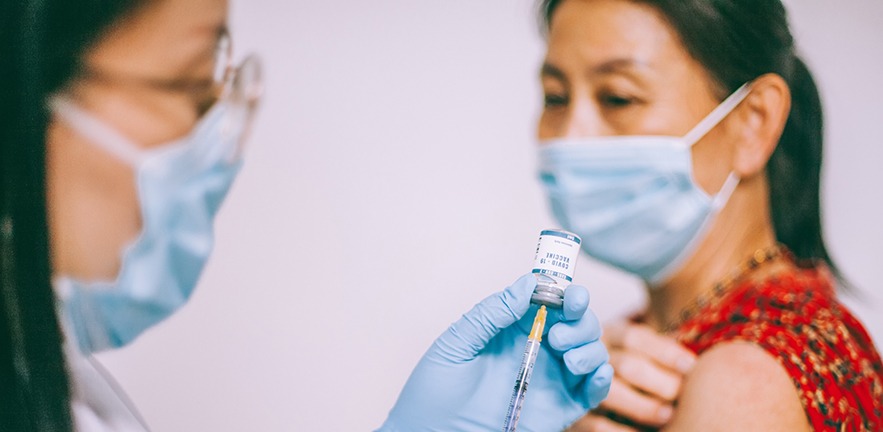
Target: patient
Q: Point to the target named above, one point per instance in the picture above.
(682, 140)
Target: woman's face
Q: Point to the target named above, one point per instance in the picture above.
(92, 200)
(616, 67)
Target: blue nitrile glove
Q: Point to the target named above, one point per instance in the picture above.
(465, 381)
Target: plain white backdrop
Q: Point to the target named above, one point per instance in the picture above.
(390, 185)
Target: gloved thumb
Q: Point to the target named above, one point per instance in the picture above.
(471, 333)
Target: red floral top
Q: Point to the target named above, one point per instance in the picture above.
(796, 318)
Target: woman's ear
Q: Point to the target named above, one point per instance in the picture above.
(762, 116)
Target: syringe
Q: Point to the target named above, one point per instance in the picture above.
(527, 363)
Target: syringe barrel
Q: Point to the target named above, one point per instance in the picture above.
(524, 373)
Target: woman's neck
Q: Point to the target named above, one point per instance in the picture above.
(741, 228)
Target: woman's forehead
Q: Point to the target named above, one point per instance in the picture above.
(592, 33)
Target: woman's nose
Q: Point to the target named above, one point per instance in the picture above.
(583, 120)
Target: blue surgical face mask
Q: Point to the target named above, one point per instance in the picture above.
(180, 186)
(633, 199)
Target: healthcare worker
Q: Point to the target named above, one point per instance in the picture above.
(124, 123)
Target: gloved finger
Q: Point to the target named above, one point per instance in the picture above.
(471, 333)
(571, 334)
(589, 374)
(587, 358)
(597, 386)
(596, 423)
(576, 301)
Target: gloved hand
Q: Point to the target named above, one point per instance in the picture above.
(465, 381)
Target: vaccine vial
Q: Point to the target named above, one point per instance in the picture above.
(553, 266)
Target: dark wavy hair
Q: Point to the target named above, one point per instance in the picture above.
(737, 41)
(41, 44)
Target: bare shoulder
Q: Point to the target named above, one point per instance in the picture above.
(737, 386)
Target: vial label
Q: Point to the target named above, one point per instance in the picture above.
(556, 255)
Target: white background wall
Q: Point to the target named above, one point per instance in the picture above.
(390, 185)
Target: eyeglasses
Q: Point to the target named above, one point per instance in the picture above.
(239, 83)
(238, 86)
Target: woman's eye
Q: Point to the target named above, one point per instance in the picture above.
(616, 101)
(554, 100)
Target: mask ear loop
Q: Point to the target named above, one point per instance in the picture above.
(723, 195)
(96, 131)
(708, 123)
(718, 114)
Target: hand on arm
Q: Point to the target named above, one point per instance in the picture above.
(649, 369)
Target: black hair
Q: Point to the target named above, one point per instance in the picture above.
(41, 44)
(737, 41)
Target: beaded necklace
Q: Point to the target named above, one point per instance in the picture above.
(758, 258)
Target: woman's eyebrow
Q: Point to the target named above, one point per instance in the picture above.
(618, 65)
(552, 71)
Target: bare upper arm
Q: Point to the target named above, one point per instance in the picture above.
(737, 386)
